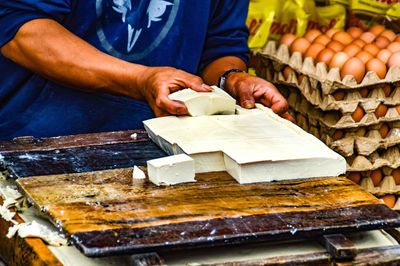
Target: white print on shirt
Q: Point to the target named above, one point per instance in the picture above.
(155, 11)
(122, 6)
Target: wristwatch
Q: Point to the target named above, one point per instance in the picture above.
(222, 79)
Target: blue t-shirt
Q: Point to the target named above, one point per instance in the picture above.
(186, 34)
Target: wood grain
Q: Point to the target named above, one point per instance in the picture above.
(26, 144)
(106, 213)
(79, 159)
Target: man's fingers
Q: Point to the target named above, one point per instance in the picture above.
(289, 117)
(276, 102)
(246, 97)
(170, 106)
(195, 83)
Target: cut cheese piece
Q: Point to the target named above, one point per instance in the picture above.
(205, 103)
(171, 170)
(254, 146)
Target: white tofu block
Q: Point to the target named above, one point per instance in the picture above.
(205, 103)
(171, 170)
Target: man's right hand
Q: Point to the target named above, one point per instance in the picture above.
(156, 83)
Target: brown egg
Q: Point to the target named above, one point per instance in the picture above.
(355, 32)
(394, 47)
(339, 134)
(364, 92)
(313, 50)
(335, 46)
(287, 72)
(381, 110)
(353, 67)
(384, 130)
(367, 37)
(397, 39)
(339, 95)
(288, 38)
(312, 35)
(359, 43)
(389, 34)
(358, 114)
(338, 60)
(377, 66)
(376, 176)
(355, 177)
(371, 48)
(299, 45)
(343, 37)
(351, 49)
(396, 175)
(364, 56)
(398, 109)
(382, 42)
(331, 32)
(384, 55)
(322, 39)
(387, 90)
(389, 200)
(394, 60)
(377, 29)
(326, 56)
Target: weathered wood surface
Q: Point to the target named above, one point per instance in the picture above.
(28, 251)
(26, 144)
(75, 154)
(339, 246)
(105, 213)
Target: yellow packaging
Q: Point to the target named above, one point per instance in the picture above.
(326, 17)
(373, 8)
(331, 2)
(270, 19)
(259, 21)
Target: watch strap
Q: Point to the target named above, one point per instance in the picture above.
(225, 75)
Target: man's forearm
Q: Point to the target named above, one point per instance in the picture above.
(47, 48)
(215, 69)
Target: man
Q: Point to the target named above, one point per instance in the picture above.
(80, 66)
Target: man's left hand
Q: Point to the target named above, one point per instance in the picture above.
(248, 90)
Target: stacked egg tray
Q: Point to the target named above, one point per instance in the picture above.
(327, 107)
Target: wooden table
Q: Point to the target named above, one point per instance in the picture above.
(217, 211)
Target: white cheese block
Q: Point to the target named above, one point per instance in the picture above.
(171, 170)
(254, 146)
(205, 103)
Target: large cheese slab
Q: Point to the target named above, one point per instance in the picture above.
(253, 146)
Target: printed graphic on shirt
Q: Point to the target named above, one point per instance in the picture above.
(131, 29)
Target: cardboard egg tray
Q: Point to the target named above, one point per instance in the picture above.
(385, 187)
(336, 119)
(320, 77)
(352, 98)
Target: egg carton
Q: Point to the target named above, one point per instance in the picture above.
(352, 98)
(329, 80)
(354, 141)
(386, 185)
(378, 159)
(336, 119)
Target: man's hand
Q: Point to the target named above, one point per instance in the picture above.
(248, 90)
(157, 83)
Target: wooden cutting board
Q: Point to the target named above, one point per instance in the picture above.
(107, 213)
(28, 156)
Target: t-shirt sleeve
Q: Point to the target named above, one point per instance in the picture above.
(15, 13)
(227, 31)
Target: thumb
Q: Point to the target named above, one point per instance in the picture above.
(246, 98)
